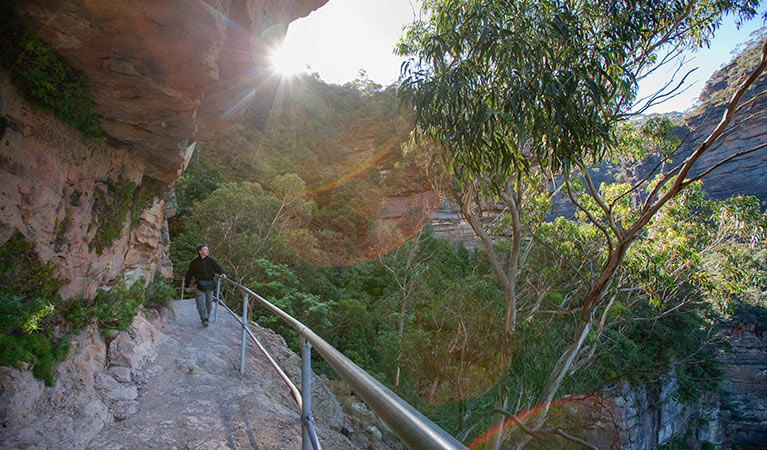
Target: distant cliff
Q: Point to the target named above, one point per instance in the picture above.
(746, 175)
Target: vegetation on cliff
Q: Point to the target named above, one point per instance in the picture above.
(27, 297)
(36, 325)
(116, 201)
(722, 84)
(44, 78)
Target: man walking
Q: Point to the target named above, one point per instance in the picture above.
(203, 268)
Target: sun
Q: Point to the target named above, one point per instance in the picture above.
(287, 60)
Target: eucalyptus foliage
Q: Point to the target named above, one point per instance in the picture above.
(506, 83)
(627, 290)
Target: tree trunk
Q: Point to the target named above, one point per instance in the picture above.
(565, 362)
(496, 425)
(401, 334)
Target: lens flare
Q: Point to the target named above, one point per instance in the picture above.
(286, 60)
(601, 411)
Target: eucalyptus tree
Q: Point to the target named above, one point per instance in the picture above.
(239, 220)
(407, 265)
(514, 87)
(495, 205)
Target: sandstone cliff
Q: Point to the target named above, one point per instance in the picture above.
(49, 183)
(162, 75)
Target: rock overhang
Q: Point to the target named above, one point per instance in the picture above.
(165, 73)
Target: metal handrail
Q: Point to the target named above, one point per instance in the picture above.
(309, 434)
(414, 429)
(294, 392)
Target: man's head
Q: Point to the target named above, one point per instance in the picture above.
(202, 250)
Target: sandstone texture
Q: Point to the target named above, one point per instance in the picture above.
(748, 174)
(66, 415)
(163, 73)
(167, 382)
(646, 417)
(744, 387)
(649, 417)
(49, 180)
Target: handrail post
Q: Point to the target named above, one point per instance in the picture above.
(412, 427)
(306, 394)
(244, 331)
(183, 282)
(218, 299)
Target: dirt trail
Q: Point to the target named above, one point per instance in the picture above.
(192, 396)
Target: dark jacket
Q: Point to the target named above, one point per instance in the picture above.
(202, 269)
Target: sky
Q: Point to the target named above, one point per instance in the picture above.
(344, 36)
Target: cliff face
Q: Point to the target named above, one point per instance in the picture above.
(162, 75)
(746, 175)
(164, 72)
(646, 417)
(737, 417)
(744, 397)
(49, 182)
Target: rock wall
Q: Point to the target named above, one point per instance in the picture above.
(737, 416)
(49, 181)
(650, 417)
(744, 386)
(747, 175)
(162, 74)
(77, 407)
(646, 417)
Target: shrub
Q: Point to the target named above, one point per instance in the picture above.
(36, 325)
(159, 293)
(27, 297)
(22, 273)
(116, 307)
(36, 348)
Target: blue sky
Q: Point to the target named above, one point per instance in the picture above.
(345, 36)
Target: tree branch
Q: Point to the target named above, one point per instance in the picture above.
(724, 161)
(660, 96)
(588, 214)
(751, 101)
(598, 198)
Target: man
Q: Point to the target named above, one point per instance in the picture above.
(203, 268)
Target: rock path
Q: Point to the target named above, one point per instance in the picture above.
(192, 396)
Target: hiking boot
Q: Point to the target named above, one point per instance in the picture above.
(205, 323)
